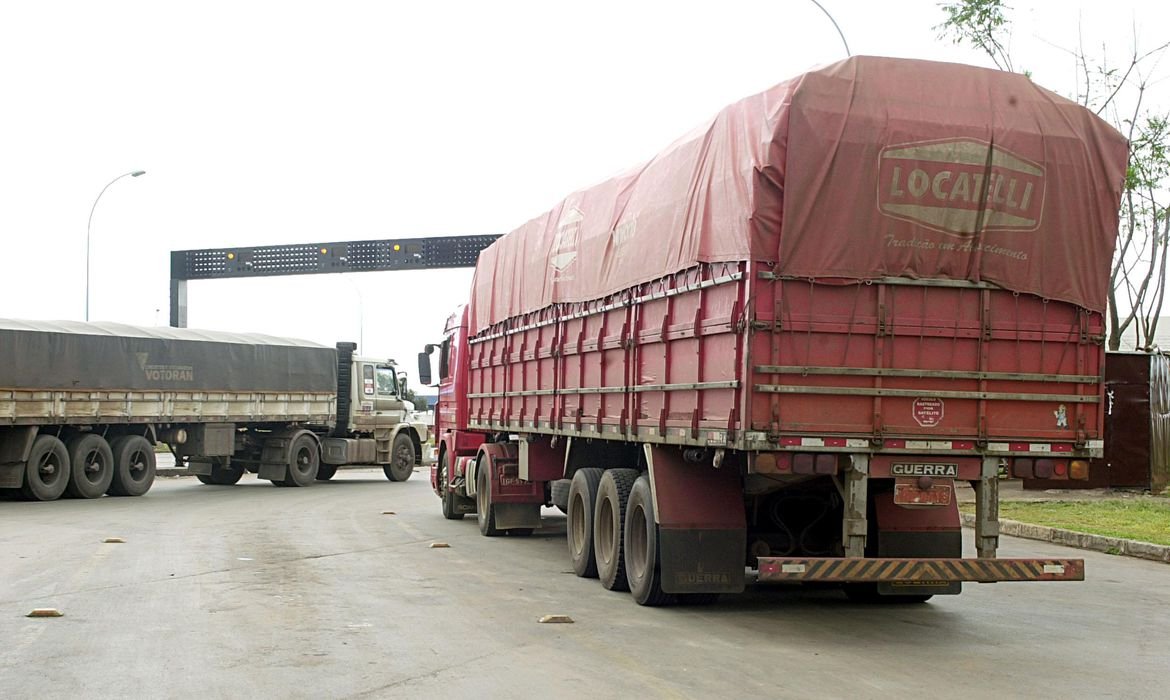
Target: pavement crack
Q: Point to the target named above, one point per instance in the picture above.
(435, 673)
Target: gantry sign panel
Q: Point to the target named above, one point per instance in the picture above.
(318, 258)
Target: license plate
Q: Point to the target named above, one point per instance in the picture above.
(908, 493)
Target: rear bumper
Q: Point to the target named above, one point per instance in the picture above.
(866, 570)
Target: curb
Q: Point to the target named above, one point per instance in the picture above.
(1080, 540)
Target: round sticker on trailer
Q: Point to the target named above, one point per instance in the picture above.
(928, 412)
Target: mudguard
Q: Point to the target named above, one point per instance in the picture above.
(702, 526)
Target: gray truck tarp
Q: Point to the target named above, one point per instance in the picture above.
(74, 356)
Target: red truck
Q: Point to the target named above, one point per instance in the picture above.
(772, 351)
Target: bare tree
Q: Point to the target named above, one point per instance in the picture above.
(1116, 92)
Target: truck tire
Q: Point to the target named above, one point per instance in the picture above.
(579, 523)
(325, 472)
(450, 507)
(46, 474)
(559, 494)
(485, 512)
(91, 464)
(609, 525)
(641, 547)
(401, 458)
(221, 475)
(304, 461)
(134, 465)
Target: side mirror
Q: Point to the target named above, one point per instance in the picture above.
(424, 366)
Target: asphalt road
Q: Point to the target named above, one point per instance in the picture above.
(256, 591)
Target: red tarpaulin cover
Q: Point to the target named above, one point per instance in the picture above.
(867, 168)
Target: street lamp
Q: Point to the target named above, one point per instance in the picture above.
(88, 226)
(839, 32)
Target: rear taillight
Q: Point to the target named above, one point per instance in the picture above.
(803, 463)
(1045, 468)
(826, 464)
(772, 463)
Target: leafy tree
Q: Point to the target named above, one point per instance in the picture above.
(1116, 93)
(407, 394)
(419, 401)
(982, 24)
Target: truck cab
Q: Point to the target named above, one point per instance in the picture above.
(378, 388)
(373, 419)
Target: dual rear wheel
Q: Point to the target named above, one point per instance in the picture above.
(88, 466)
(612, 535)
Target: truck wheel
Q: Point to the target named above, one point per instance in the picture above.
(325, 472)
(134, 465)
(485, 512)
(641, 547)
(92, 466)
(221, 475)
(304, 461)
(401, 458)
(609, 522)
(579, 525)
(450, 507)
(46, 475)
(559, 494)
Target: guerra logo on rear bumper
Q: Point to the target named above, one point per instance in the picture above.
(960, 186)
(902, 469)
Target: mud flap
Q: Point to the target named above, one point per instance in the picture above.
(198, 467)
(15, 444)
(702, 561)
(929, 533)
(516, 515)
(273, 472)
(702, 533)
(920, 545)
(12, 475)
(274, 456)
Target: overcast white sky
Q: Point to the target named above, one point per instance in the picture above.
(289, 122)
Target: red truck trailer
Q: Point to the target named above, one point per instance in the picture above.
(772, 351)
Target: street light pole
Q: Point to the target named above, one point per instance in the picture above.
(839, 32)
(88, 226)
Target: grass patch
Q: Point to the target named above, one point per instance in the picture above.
(1144, 519)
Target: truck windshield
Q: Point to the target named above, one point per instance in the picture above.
(387, 385)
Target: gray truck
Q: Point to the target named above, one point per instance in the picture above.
(83, 407)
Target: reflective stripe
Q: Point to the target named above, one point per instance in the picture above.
(857, 569)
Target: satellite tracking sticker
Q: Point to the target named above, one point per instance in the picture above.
(958, 186)
(928, 412)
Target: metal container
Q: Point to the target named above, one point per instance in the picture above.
(1137, 425)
